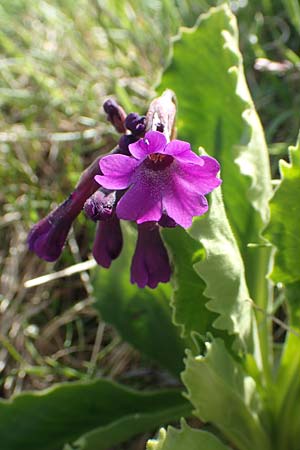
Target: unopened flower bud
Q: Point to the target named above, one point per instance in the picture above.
(100, 205)
(108, 241)
(150, 263)
(115, 115)
(48, 236)
(136, 124)
(125, 141)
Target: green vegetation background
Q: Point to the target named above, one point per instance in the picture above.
(59, 61)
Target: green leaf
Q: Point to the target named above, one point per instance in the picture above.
(52, 418)
(283, 233)
(287, 387)
(204, 300)
(189, 302)
(185, 438)
(227, 291)
(225, 396)
(283, 230)
(293, 9)
(217, 113)
(141, 316)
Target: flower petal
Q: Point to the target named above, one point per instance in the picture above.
(211, 165)
(117, 171)
(176, 147)
(153, 142)
(182, 152)
(140, 203)
(182, 203)
(196, 178)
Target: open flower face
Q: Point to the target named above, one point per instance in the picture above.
(161, 178)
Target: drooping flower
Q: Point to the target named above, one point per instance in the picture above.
(150, 263)
(158, 184)
(108, 241)
(48, 236)
(160, 177)
(100, 207)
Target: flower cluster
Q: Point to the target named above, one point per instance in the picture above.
(147, 180)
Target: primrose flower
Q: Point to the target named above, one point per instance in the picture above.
(48, 236)
(150, 263)
(108, 241)
(160, 177)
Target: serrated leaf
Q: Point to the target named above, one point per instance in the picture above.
(102, 438)
(217, 113)
(205, 300)
(52, 418)
(189, 303)
(223, 271)
(225, 396)
(186, 438)
(283, 229)
(283, 233)
(141, 316)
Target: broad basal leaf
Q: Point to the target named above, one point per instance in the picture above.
(215, 111)
(49, 419)
(283, 230)
(185, 438)
(103, 437)
(141, 316)
(226, 397)
(190, 311)
(212, 291)
(223, 271)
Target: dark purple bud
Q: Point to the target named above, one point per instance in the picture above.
(125, 141)
(100, 205)
(167, 222)
(136, 124)
(108, 241)
(150, 263)
(115, 115)
(48, 236)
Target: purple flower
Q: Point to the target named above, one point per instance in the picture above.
(162, 178)
(150, 263)
(108, 241)
(48, 236)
